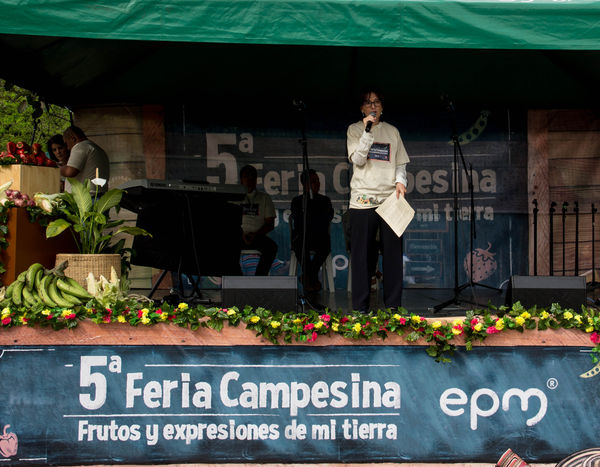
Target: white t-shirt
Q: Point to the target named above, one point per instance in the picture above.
(255, 208)
(379, 161)
(86, 156)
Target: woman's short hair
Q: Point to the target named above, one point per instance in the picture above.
(58, 140)
(365, 92)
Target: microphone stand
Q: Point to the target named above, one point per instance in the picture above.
(472, 234)
(564, 218)
(594, 284)
(306, 195)
(551, 249)
(535, 225)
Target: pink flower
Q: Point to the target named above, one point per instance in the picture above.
(313, 337)
(595, 337)
(49, 317)
(106, 319)
(6, 321)
(309, 326)
(109, 311)
(492, 330)
(140, 313)
(159, 311)
(402, 320)
(325, 318)
(474, 321)
(71, 316)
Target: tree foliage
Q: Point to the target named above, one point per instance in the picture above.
(25, 117)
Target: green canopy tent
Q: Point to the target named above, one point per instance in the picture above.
(537, 53)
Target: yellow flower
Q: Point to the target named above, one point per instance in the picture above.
(164, 316)
(5, 312)
(436, 324)
(500, 324)
(478, 327)
(231, 312)
(121, 319)
(525, 315)
(66, 312)
(335, 327)
(319, 325)
(46, 312)
(297, 321)
(520, 320)
(23, 319)
(183, 306)
(590, 320)
(457, 331)
(544, 315)
(568, 315)
(275, 324)
(145, 319)
(589, 329)
(415, 318)
(145, 312)
(457, 322)
(254, 319)
(397, 317)
(357, 327)
(578, 319)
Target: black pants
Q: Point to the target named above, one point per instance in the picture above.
(364, 224)
(268, 251)
(312, 263)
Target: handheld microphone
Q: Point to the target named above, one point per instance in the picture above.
(370, 123)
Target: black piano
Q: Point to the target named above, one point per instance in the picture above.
(195, 227)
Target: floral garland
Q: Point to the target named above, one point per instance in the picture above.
(280, 327)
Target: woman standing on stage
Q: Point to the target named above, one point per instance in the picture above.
(379, 163)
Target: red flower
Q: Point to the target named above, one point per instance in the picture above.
(344, 320)
(492, 330)
(309, 326)
(106, 319)
(421, 330)
(140, 313)
(313, 337)
(49, 317)
(595, 337)
(6, 321)
(326, 318)
(402, 321)
(382, 328)
(437, 334)
(71, 316)
(159, 311)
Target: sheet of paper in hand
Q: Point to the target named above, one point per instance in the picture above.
(396, 212)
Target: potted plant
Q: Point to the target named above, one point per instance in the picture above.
(87, 217)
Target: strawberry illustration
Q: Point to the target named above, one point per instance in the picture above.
(484, 264)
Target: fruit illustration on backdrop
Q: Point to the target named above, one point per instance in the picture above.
(484, 264)
(8, 443)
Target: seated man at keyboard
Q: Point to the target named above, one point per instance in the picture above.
(258, 219)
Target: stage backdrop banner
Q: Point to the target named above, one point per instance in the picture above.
(169, 404)
(493, 145)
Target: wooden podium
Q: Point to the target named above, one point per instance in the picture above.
(27, 244)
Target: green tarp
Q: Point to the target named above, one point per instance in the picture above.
(488, 24)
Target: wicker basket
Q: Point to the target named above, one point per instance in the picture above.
(79, 266)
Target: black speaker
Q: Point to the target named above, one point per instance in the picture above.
(543, 291)
(276, 293)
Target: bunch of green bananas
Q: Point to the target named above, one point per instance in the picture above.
(38, 285)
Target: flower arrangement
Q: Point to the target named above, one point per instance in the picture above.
(22, 153)
(308, 326)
